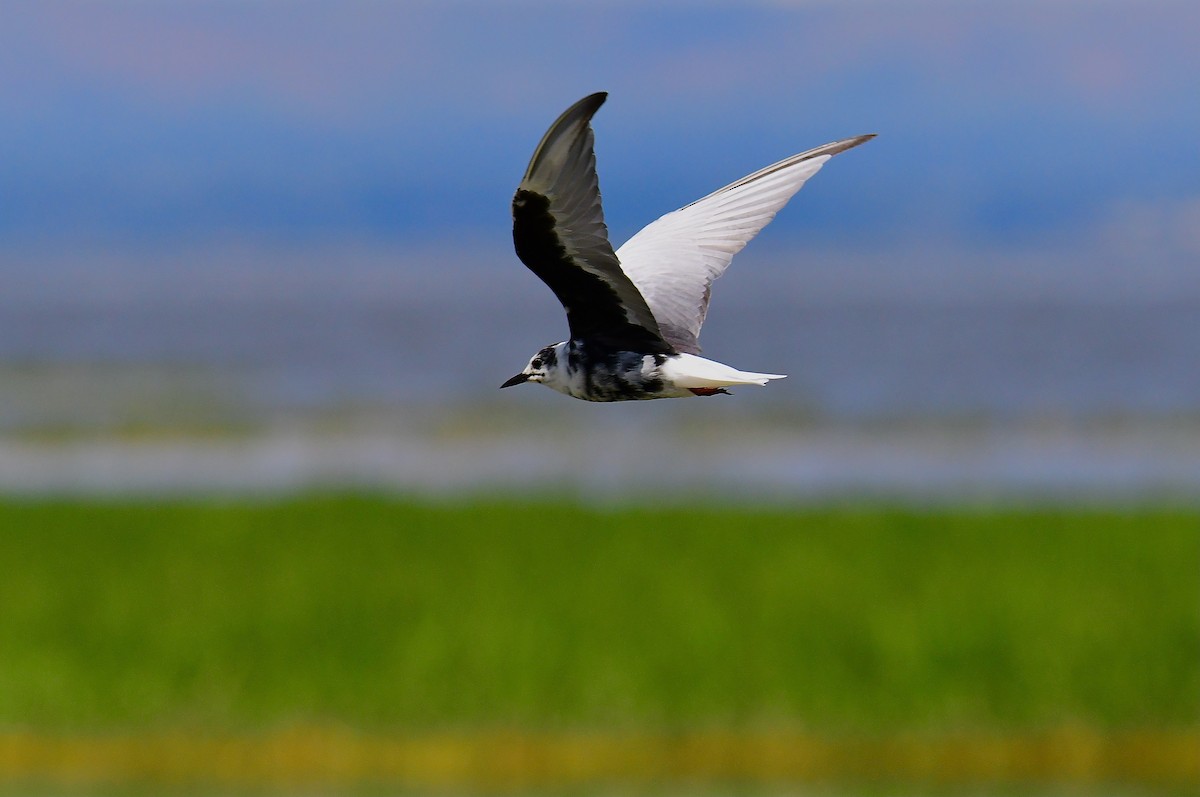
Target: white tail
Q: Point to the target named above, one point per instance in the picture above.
(688, 371)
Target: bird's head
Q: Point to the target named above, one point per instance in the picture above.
(540, 368)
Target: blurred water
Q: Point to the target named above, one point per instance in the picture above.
(369, 351)
(327, 332)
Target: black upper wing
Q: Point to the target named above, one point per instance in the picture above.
(559, 233)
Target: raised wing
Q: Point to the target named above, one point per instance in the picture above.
(674, 260)
(559, 233)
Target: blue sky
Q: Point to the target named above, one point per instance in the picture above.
(1005, 122)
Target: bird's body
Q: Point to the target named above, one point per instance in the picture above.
(604, 373)
(635, 314)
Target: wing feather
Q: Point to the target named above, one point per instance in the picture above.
(560, 234)
(673, 261)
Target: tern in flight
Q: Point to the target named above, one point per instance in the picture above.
(635, 314)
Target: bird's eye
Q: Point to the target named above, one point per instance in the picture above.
(537, 362)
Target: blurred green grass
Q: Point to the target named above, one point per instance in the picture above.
(393, 614)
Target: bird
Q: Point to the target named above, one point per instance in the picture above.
(634, 314)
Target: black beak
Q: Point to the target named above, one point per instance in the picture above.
(516, 380)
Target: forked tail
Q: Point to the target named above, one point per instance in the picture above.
(689, 371)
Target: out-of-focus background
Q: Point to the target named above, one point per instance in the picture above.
(248, 246)
(253, 251)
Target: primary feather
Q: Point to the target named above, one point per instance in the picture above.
(560, 234)
(673, 261)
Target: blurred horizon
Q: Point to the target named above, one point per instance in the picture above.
(1010, 123)
(231, 219)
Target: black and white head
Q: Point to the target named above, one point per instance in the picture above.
(542, 367)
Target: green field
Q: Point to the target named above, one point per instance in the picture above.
(334, 644)
(387, 615)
